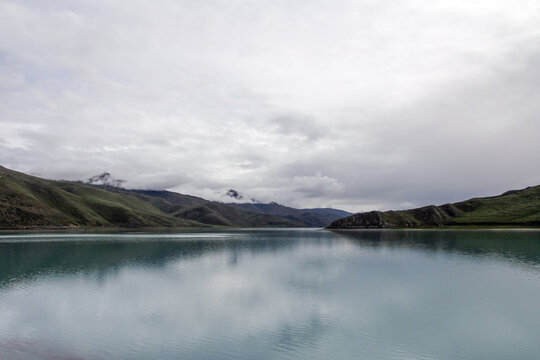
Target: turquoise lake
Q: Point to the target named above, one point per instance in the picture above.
(271, 294)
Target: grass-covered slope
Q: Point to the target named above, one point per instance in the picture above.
(210, 212)
(28, 201)
(31, 202)
(513, 208)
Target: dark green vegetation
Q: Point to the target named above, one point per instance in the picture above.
(310, 217)
(513, 208)
(31, 202)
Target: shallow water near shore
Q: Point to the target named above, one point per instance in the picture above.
(271, 294)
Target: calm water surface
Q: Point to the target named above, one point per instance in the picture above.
(271, 294)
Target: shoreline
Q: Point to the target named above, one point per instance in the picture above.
(99, 230)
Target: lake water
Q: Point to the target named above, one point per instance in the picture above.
(271, 294)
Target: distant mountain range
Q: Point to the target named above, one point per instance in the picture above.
(513, 208)
(310, 217)
(31, 202)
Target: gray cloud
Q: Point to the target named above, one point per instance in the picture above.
(358, 105)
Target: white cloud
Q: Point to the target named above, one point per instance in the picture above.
(391, 102)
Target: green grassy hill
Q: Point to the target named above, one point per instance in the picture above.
(209, 212)
(31, 202)
(513, 208)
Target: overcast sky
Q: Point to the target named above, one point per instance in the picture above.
(352, 104)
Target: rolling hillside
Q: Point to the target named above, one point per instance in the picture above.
(31, 202)
(513, 208)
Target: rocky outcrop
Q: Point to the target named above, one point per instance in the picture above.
(372, 219)
(424, 216)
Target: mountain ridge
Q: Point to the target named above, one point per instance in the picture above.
(317, 217)
(512, 208)
(28, 202)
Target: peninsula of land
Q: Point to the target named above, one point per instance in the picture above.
(515, 208)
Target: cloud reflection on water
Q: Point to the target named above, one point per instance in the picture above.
(286, 294)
